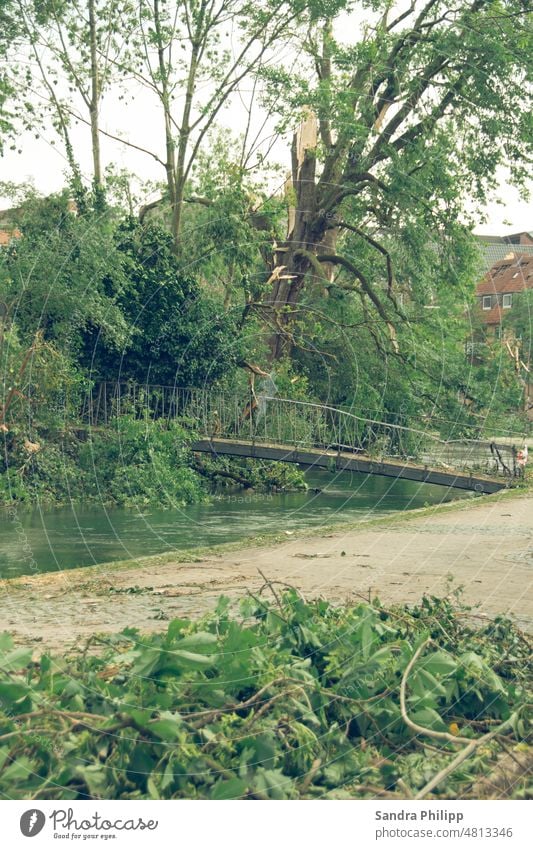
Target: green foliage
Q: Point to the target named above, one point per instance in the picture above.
(56, 279)
(518, 324)
(131, 463)
(253, 474)
(277, 477)
(179, 335)
(429, 383)
(40, 396)
(136, 462)
(284, 701)
(8, 31)
(227, 237)
(40, 386)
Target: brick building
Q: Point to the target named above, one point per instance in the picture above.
(496, 294)
(496, 248)
(500, 286)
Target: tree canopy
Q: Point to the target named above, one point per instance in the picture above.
(359, 267)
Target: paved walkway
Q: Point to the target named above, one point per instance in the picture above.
(486, 547)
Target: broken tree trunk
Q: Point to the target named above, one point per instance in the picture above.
(309, 234)
(306, 230)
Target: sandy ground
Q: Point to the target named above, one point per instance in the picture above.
(485, 546)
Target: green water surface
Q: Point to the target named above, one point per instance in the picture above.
(46, 540)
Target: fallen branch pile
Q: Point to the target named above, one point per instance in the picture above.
(279, 700)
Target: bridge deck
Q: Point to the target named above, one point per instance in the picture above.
(347, 462)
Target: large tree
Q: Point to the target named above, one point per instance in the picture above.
(194, 57)
(64, 58)
(405, 123)
(8, 29)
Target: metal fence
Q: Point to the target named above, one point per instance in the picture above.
(296, 424)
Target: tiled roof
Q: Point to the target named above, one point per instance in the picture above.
(492, 253)
(509, 275)
(523, 238)
(495, 248)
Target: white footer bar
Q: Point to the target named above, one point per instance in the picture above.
(270, 825)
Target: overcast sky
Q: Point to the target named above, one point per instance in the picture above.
(44, 165)
(139, 120)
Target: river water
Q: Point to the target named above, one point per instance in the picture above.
(46, 540)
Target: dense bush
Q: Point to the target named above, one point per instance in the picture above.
(141, 462)
(283, 701)
(133, 462)
(178, 334)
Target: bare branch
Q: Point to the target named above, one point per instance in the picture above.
(375, 245)
(335, 259)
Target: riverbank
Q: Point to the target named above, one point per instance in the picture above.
(484, 546)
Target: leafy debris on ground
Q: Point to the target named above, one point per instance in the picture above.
(280, 700)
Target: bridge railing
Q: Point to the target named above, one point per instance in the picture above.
(295, 424)
(302, 423)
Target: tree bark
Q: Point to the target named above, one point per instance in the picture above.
(183, 142)
(95, 98)
(303, 241)
(170, 161)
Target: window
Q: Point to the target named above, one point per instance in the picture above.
(507, 301)
(487, 302)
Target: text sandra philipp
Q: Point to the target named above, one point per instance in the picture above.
(64, 819)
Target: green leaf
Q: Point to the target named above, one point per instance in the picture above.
(96, 777)
(272, 782)
(45, 663)
(4, 754)
(430, 683)
(153, 792)
(19, 769)
(147, 663)
(11, 693)
(367, 638)
(186, 660)
(232, 788)
(176, 627)
(428, 718)
(15, 660)
(200, 643)
(166, 729)
(6, 641)
(439, 663)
